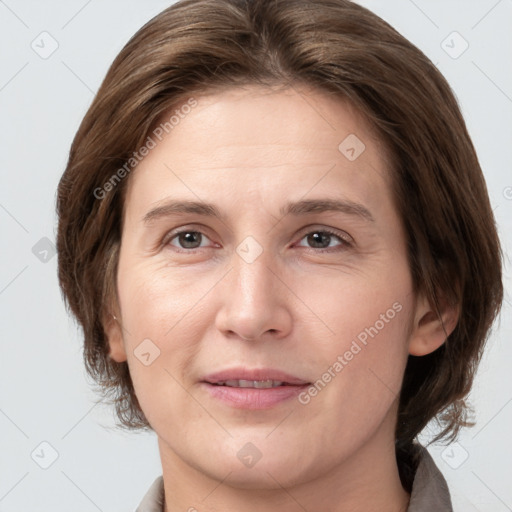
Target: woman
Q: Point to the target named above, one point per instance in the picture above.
(275, 233)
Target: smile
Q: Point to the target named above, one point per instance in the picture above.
(259, 384)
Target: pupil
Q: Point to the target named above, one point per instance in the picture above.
(188, 239)
(319, 239)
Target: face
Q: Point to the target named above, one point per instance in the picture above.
(261, 247)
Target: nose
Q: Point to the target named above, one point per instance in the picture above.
(254, 301)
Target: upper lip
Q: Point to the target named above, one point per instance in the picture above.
(254, 374)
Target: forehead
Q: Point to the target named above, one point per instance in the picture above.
(262, 141)
(269, 117)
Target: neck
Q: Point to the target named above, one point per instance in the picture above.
(367, 480)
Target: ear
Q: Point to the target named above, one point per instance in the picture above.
(430, 329)
(114, 331)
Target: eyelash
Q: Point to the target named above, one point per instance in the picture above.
(345, 243)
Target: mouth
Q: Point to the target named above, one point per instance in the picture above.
(256, 384)
(242, 388)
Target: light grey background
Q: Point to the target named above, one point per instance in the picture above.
(44, 394)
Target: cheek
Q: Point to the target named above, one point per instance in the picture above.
(160, 340)
(363, 356)
(161, 331)
(350, 304)
(158, 302)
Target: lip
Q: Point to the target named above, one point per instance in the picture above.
(253, 398)
(254, 374)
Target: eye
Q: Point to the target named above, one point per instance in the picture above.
(187, 240)
(322, 239)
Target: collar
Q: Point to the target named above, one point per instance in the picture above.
(429, 488)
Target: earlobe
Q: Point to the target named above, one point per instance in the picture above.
(114, 332)
(431, 330)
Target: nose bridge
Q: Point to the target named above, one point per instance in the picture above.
(251, 266)
(253, 281)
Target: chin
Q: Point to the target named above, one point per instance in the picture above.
(259, 465)
(265, 476)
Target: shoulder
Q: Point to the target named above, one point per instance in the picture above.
(153, 500)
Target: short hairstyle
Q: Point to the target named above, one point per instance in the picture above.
(340, 48)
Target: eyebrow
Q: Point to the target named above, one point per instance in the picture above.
(303, 207)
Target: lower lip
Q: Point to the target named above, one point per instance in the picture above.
(253, 398)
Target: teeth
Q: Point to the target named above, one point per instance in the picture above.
(260, 384)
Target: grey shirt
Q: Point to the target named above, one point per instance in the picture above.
(429, 490)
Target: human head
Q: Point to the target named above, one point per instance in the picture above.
(342, 49)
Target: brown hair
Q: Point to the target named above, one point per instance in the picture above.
(338, 47)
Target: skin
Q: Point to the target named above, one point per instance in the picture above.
(295, 308)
